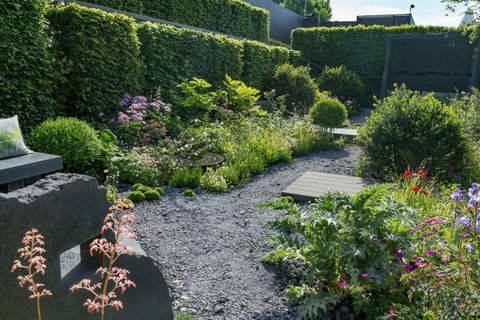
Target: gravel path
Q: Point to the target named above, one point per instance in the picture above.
(210, 246)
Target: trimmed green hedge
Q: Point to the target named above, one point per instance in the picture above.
(135, 6)
(360, 48)
(99, 55)
(234, 17)
(174, 55)
(259, 62)
(25, 65)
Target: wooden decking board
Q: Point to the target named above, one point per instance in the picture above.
(311, 185)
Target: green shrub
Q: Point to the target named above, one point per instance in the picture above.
(196, 99)
(99, 55)
(260, 61)
(173, 55)
(160, 191)
(136, 196)
(237, 96)
(189, 193)
(467, 107)
(26, 68)
(328, 113)
(186, 177)
(361, 49)
(230, 174)
(342, 83)
(213, 181)
(300, 89)
(132, 169)
(408, 130)
(227, 16)
(73, 139)
(152, 195)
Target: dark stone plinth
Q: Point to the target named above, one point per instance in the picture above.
(68, 210)
(18, 172)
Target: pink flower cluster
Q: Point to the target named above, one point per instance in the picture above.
(113, 281)
(33, 263)
(139, 108)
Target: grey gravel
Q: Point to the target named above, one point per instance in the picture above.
(209, 247)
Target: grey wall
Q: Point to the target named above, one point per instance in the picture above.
(282, 21)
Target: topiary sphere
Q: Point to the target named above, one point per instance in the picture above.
(151, 195)
(136, 196)
(160, 191)
(328, 113)
(76, 141)
(189, 193)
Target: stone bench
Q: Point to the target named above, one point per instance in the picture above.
(18, 172)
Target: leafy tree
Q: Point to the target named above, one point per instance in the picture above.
(319, 8)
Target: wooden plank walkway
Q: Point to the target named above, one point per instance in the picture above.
(313, 184)
(345, 132)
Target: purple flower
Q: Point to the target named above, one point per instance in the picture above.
(137, 117)
(122, 117)
(409, 267)
(139, 99)
(456, 195)
(469, 247)
(167, 108)
(101, 115)
(364, 275)
(473, 189)
(125, 99)
(137, 106)
(399, 254)
(342, 283)
(466, 221)
(477, 224)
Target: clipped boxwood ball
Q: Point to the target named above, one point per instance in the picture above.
(136, 196)
(328, 113)
(160, 191)
(189, 193)
(137, 186)
(151, 195)
(73, 139)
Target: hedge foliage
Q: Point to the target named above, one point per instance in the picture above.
(174, 55)
(235, 17)
(359, 48)
(99, 55)
(25, 65)
(259, 62)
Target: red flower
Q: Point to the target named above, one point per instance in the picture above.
(425, 192)
(421, 173)
(407, 174)
(415, 189)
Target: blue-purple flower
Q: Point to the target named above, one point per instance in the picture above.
(456, 195)
(466, 221)
(469, 247)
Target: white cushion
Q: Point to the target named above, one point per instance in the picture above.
(11, 140)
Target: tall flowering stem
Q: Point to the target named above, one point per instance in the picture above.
(113, 280)
(33, 264)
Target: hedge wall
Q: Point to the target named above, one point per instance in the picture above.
(99, 55)
(259, 62)
(173, 55)
(135, 6)
(235, 17)
(25, 65)
(360, 48)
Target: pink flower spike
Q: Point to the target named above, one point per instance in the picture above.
(342, 283)
(364, 275)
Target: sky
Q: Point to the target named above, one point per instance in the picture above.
(426, 12)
